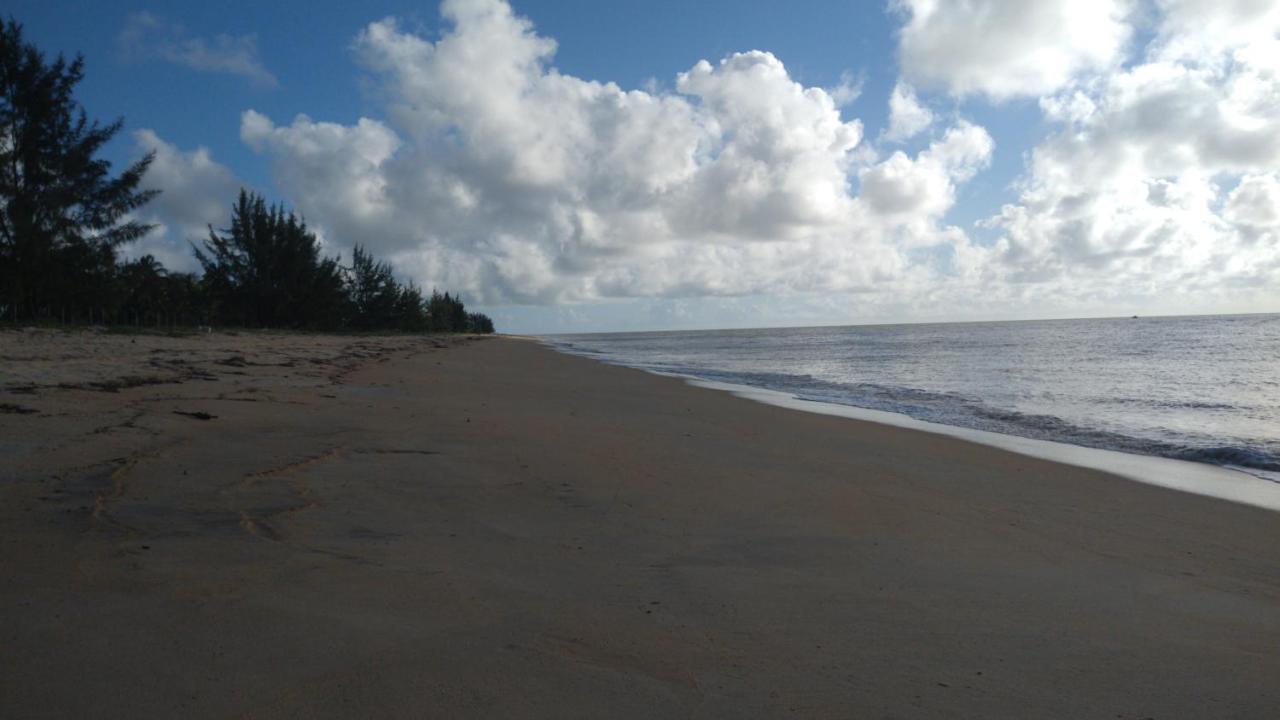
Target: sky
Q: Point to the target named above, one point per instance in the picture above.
(578, 166)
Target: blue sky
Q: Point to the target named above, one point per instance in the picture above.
(777, 199)
(306, 46)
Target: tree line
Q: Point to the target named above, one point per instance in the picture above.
(64, 219)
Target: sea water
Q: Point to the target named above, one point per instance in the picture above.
(1202, 388)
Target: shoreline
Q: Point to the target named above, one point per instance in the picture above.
(1221, 482)
(1249, 486)
(400, 526)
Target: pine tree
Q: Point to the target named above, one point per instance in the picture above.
(61, 211)
(411, 310)
(375, 296)
(267, 271)
(142, 291)
(479, 323)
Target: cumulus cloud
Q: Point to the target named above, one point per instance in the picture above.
(1254, 203)
(907, 116)
(1198, 30)
(1009, 48)
(490, 172)
(921, 189)
(847, 90)
(1161, 176)
(495, 174)
(196, 192)
(149, 36)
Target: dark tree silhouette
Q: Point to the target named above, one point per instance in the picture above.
(267, 271)
(149, 295)
(61, 211)
(410, 310)
(479, 323)
(142, 290)
(446, 314)
(375, 296)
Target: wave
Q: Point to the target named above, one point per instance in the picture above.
(1168, 404)
(1232, 455)
(958, 409)
(573, 349)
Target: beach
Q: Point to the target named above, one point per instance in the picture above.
(276, 526)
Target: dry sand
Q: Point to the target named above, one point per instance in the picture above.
(388, 527)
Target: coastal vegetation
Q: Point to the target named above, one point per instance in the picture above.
(64, 220)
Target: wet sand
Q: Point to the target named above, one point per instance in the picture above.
(284, 526)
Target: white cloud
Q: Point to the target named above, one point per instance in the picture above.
(1161, 178)
(148, 36)
(499, 176)
(921, 190)
(1255, 203)
(848, 90)
(1199, 30)
(907, 117)
(492, 173)
(196, 192)
(1009, 48)
(341, 164)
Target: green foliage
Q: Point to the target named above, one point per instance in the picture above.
(151, 296)
(448, 314)
(375, 297)
(479, 323)
(410, 311)
(445, 314)
(62, 215)
(267, 271)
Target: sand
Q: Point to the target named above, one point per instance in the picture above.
(277, 526)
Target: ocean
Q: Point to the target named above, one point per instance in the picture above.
(1201, 388)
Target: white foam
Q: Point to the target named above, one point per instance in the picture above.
(1199, 478)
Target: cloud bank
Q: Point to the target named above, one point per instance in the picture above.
(490, 172)
(496, 174)
(1160, 177)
